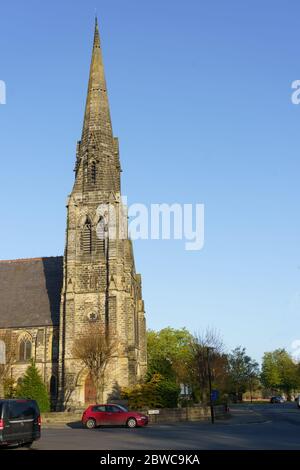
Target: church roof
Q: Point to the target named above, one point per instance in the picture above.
(30, 292)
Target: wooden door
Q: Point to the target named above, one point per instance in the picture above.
(89, 391)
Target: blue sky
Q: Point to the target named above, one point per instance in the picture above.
(200, 95)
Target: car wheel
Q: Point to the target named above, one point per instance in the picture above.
(131, 423)
(90, 424)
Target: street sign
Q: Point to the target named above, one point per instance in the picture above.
(153, 412)
(214, 395)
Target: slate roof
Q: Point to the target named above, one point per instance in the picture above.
(30, 292)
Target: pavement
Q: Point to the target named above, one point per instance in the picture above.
(268, 426)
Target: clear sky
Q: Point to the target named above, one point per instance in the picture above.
(200, 95)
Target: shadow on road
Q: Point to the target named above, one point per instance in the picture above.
(75, 425)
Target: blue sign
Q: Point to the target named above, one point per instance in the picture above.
(214, 395)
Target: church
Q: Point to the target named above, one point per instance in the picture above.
(46, 303)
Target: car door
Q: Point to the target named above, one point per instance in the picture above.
(99, 413)
(115, 416)
(29, 420)
(15, 424)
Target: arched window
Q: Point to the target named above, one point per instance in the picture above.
(87, 238)
(93, 173)
(25, 349)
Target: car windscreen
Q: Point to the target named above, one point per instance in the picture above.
(22, 410)
(1, 410)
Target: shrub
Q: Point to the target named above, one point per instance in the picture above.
(158, 392)
(32, 386)
(168, 392)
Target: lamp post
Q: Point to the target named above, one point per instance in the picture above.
(212, 413)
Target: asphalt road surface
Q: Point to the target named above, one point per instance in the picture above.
(250, 427)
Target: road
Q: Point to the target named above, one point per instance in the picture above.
(250, 427)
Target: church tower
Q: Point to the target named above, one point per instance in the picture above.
(100, 286)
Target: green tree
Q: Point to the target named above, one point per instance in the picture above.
(279, 371)
(169, 354)
(32, 386)
(168, 391)
(242, 372)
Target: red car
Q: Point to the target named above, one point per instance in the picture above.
(117, 415)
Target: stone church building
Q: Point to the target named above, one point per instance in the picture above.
(46, 303)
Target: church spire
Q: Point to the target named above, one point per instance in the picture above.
(97, 128)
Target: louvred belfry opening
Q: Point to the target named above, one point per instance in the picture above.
(87, 238)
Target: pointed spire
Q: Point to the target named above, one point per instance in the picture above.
(97, 128)
(96, 34)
